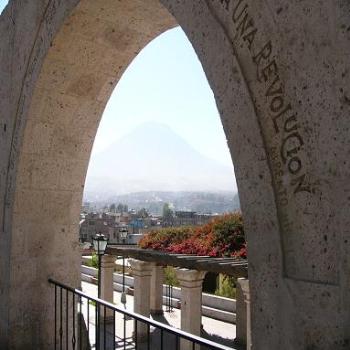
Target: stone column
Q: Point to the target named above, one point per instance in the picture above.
(241, 314)
(156, 301)
(107, 269)
(191, 302)
(141, 271)
(243, 327)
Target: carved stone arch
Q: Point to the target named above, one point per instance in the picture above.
(280, 76)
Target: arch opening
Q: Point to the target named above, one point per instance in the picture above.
(57, 78)
(144, 161)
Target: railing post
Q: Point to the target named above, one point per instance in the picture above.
(156, 293)
(106, 314)
(191, 303)
(243, 326)
(141, 271)
(107, 270)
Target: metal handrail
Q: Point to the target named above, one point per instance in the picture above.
(177, 332)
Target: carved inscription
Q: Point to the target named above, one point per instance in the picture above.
(284, 140)
(281, 113)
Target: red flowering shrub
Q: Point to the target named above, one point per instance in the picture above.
(222, 237)
(242, 253)
(162, 238)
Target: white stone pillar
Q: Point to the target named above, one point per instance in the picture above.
(191, 302)
(156, 301)
(241, 314)
(107, 270)
(243, 326)
(141, 271)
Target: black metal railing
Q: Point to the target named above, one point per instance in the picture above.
(169, 298)
(85, 322)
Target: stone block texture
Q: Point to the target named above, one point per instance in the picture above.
(279, 71)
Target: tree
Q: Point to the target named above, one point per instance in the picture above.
(143, 213)
(120, 208)
(168, 213)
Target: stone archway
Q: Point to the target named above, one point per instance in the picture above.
(280, 77)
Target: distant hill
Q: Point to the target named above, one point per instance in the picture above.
(202, 202)
(154, 158)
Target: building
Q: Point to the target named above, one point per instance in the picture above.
(95, 223)
(191, 218)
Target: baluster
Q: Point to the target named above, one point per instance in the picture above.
(148, 336)
(80, 324)
(55, 316)
(67, 315)
(73, 337)
(104, 327)
(61, 316)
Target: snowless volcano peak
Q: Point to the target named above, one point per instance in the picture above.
(153, 157)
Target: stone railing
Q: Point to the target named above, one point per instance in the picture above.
(217, 307)
(148, 295)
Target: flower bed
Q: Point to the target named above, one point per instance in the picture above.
(222, 237)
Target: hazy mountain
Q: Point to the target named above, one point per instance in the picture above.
(153, 201)
(154, 158)
(202, 202)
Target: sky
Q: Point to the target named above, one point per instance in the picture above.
(165, 83)
(3, 3)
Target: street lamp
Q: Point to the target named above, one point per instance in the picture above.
(99, 242)
(123, 234)
(123, 295)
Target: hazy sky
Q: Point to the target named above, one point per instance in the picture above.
(3, 3)
(165, 83)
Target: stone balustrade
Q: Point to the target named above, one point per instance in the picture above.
(148, 294)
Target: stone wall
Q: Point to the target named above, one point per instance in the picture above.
(280, 75)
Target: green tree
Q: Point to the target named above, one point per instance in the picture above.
(120, 208)
(226, 287)
(168, 213)
(143, 213)
(170, 276)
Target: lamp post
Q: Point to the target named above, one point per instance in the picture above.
(99, 242)
(123, 233)
(123, 295)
